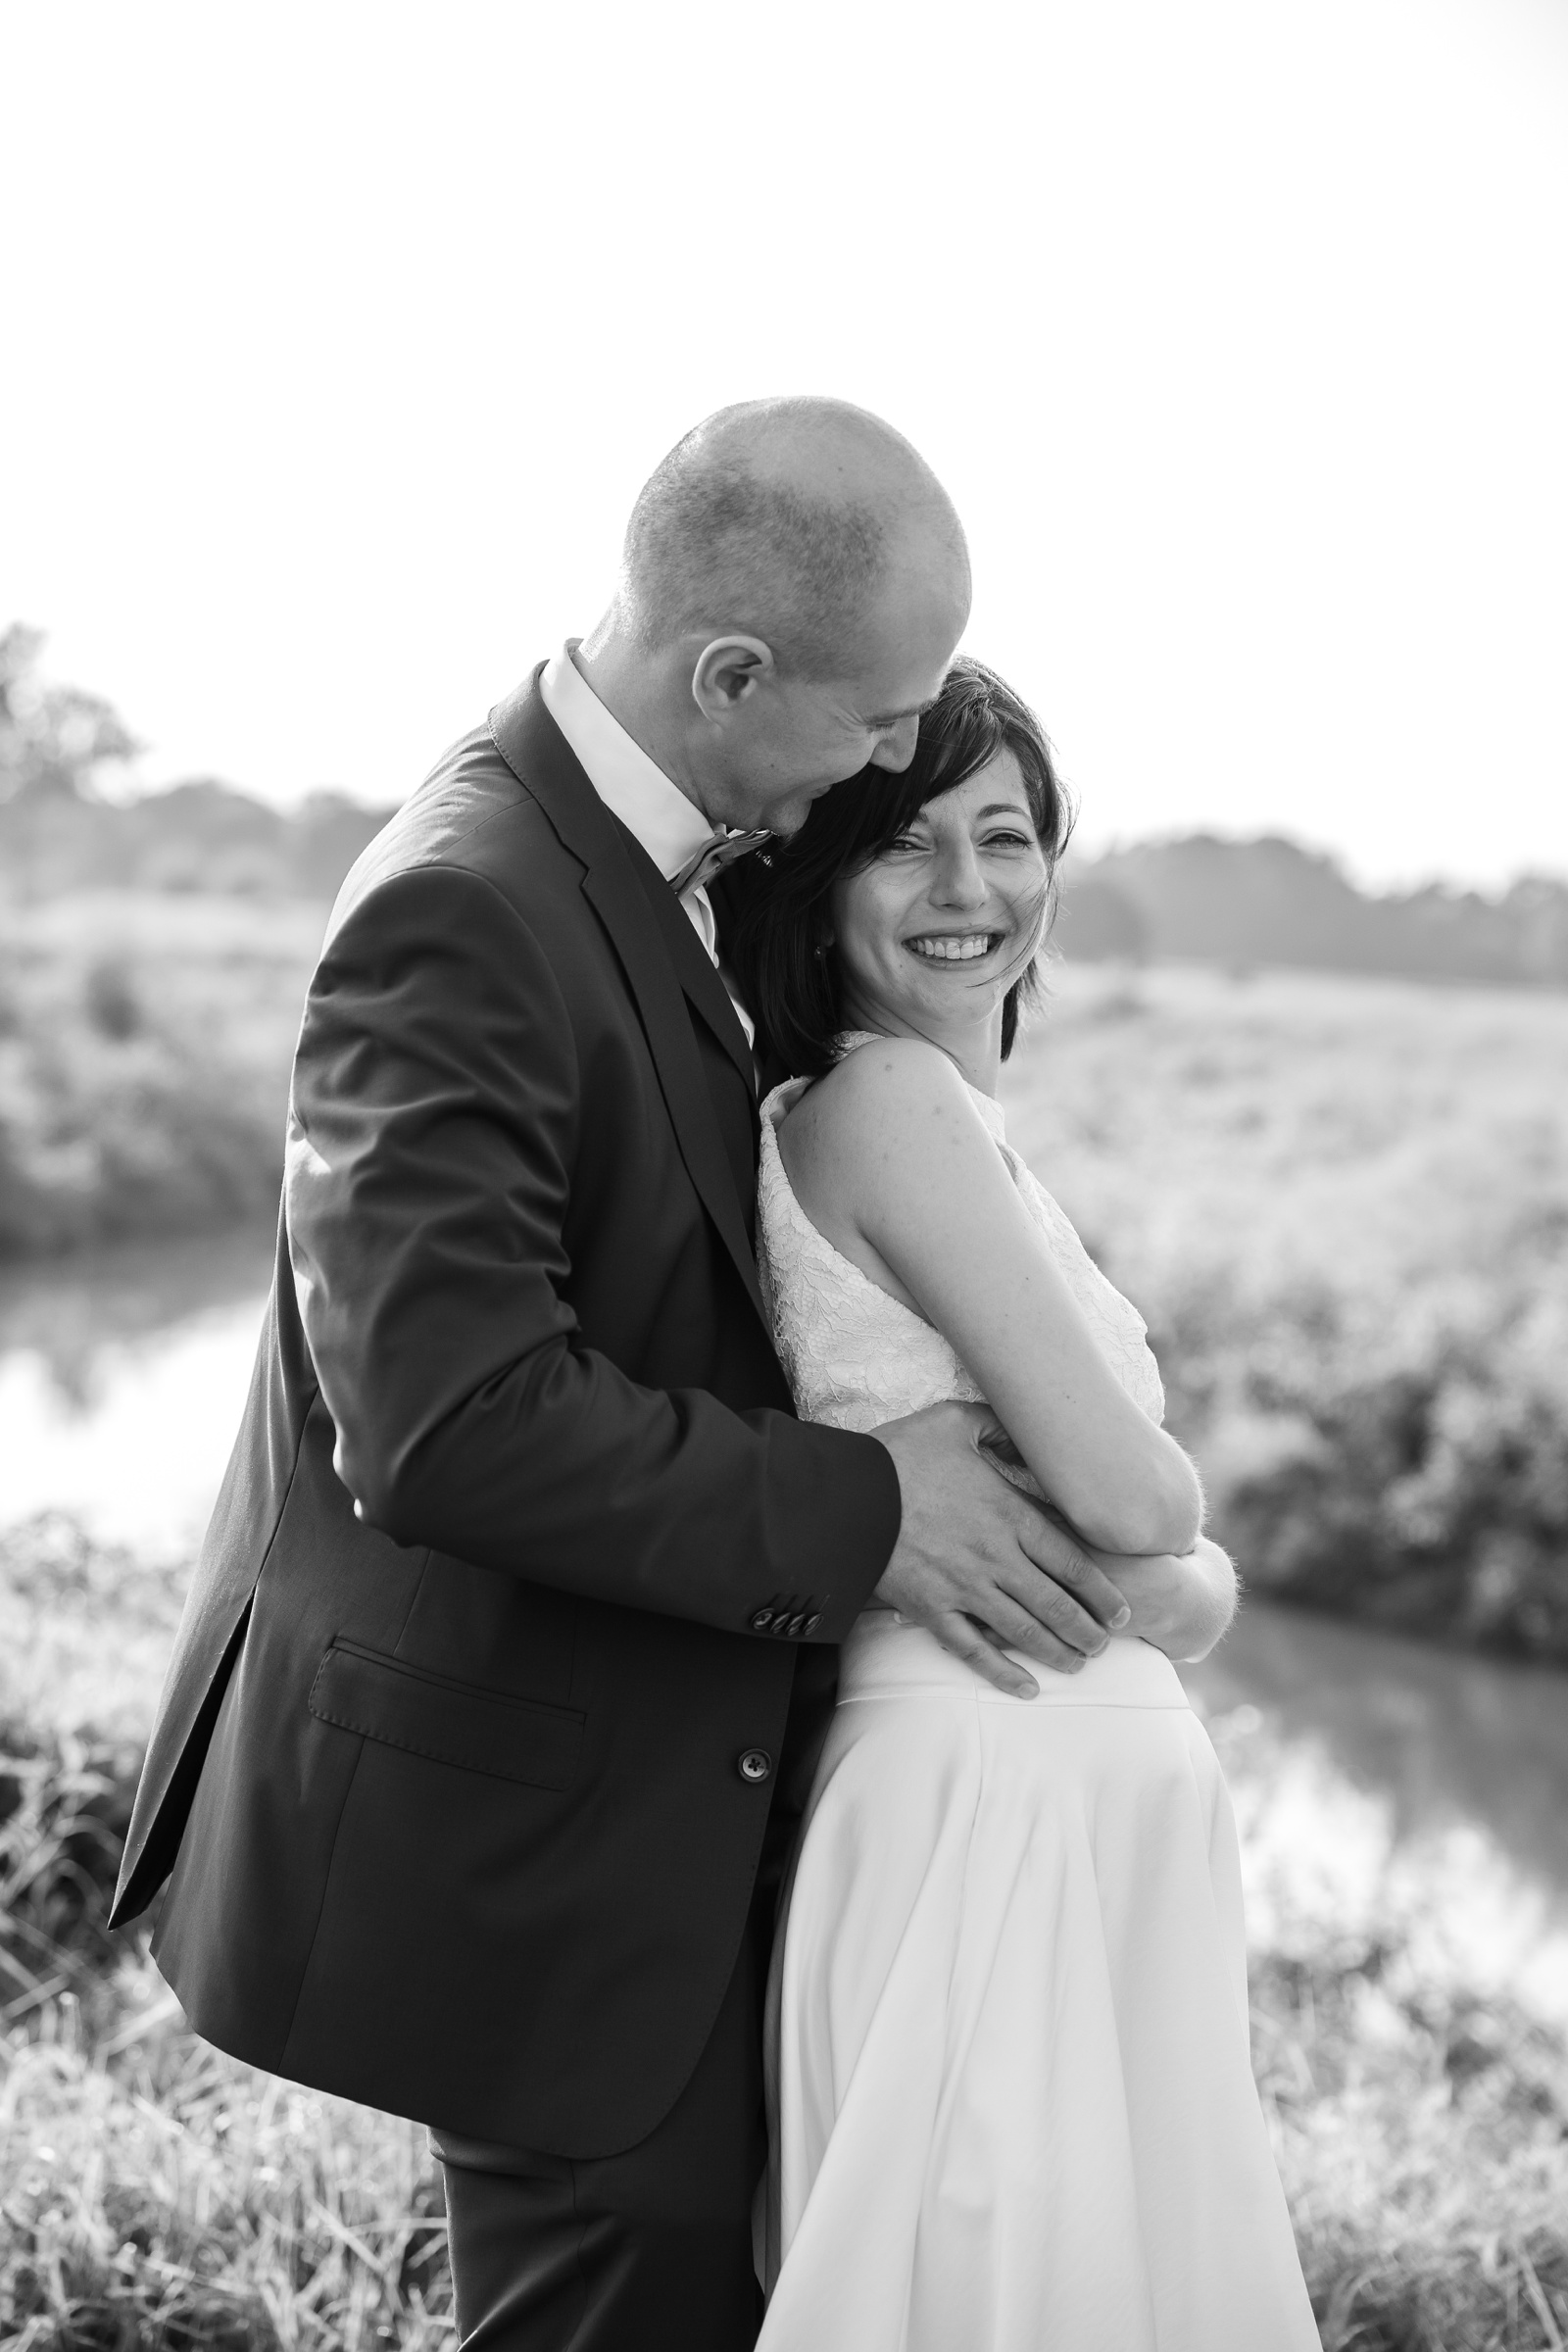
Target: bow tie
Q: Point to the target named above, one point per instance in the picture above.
(718, 850)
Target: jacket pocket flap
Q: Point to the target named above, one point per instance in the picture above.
(452, 1722)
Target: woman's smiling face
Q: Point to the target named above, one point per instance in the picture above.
(932, 934)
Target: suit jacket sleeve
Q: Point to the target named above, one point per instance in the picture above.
(432, 1136)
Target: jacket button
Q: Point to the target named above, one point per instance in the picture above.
(795, 1628)
(812, 1623)
(762, 1619)
(755, 1764)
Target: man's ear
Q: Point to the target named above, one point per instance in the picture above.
(728, 672)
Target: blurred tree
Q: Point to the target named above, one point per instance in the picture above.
(1098, 923)
(1420, 1473)
(1257, 906)
(54, 740)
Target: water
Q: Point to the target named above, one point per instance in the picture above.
(1371, 1774)
(122, 1379)
(1382, 1780)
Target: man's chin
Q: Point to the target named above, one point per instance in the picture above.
(786, 821)
(787, 818)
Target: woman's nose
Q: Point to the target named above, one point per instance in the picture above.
(958, 881)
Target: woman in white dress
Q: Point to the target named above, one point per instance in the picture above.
(1011, 2100)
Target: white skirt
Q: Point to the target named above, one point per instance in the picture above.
(1012, 2098)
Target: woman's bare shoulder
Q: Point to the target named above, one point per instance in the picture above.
(883, 1098)
(887, 1073)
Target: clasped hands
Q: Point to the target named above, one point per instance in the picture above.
(988, 1569)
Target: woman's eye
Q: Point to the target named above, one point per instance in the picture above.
(1009, 841)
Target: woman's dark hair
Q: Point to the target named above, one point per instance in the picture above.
(781, 943)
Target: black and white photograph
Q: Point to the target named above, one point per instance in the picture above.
(784, 1178)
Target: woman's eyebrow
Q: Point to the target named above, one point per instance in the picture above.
(1002, 809)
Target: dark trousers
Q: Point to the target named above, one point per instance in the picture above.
(650, 2251)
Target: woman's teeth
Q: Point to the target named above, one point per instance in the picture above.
(967, 950)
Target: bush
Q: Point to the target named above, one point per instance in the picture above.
(144, 1055)
(1422, 1478)
(1343, 1208)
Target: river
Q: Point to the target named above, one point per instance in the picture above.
(1374, 1777)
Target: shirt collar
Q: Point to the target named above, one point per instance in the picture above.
(631, 785)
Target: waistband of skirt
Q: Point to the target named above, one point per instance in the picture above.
(889, 1657)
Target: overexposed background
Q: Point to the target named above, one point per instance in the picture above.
(342, 337)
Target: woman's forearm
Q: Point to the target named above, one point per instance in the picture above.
(1145, 1502)
(1181, 1602)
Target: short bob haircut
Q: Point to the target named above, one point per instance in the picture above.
(781, 944)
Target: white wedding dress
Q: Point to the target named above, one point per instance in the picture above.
(1012, 2102)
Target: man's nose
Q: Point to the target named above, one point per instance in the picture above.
(896, 747)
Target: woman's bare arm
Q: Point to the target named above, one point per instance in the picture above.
(1181, 1602)
(891, 1161)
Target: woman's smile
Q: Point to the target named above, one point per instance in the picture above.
(954, 947)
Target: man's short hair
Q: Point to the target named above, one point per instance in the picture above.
(713, 545)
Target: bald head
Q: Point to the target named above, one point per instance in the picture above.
(793, 587)
(798, 522)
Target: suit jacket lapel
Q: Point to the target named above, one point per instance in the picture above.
(704, 987)
(534, 749)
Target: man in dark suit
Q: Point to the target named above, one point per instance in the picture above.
(514, 1635)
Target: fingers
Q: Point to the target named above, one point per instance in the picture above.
(1009, 1621)
(966, 1642)
(1048, 1615)
(1102, 1597)
(1077, 1580)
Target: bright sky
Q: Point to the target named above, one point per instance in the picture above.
(342, 336)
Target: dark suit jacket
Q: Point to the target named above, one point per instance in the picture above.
(520, 1541)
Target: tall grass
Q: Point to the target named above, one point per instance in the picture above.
(1422, 2135)
(85, 1631)
(153, 2193)
(158, 2194)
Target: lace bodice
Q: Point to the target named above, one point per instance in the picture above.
(857, 1357)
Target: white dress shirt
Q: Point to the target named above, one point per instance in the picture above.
(669, 826)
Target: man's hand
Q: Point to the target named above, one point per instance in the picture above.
(979, 1564)
(1181, 1602)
